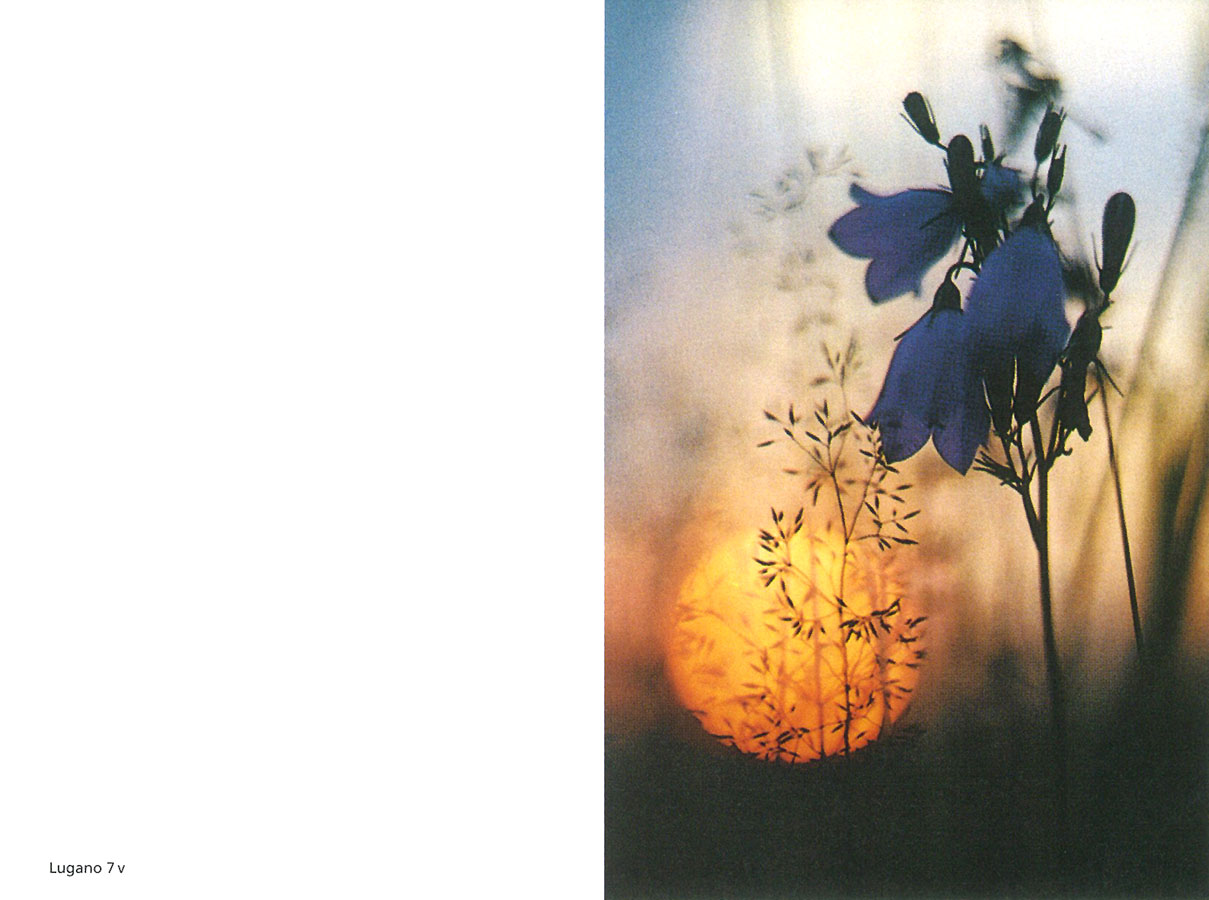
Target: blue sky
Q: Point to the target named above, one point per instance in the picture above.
(641, 122)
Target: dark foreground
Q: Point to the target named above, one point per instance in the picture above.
(965, 809)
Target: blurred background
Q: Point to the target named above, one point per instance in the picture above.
(733, 131)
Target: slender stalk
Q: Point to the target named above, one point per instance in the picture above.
(840, 599)
(847, 529)
(1023, 477)
(1052, 667)
(1116, 481)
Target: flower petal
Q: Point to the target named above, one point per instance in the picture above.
(1015, 316)
(904, 234)
(904, 408)
(967, 421)
(931, 388)
(960, 418)
(1002, 187)
(903, 434)
(1018, 295)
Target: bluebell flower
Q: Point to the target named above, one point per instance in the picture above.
(1002, 187)
(932, 390)
(1015, 321)
(905, 234)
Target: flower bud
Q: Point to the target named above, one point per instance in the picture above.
(1080, 352)
(1084, 344)
(1047, 134)
(919, 114)
(1117, 230)
(1034, 216)
(1072, 402)
(947, 297)
(962, 177)
(988, 146)
(1053, 178)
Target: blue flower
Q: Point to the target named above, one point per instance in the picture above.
(1015, 322)
(905, 234)
(931, 389)
(1001, 187)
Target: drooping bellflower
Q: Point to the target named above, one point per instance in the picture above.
(1015, 321)
(932, 390)
(905, 234)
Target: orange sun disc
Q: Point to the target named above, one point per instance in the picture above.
(793, 649)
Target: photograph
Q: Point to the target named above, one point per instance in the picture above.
(906, 449)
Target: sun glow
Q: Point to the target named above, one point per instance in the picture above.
(769, 658)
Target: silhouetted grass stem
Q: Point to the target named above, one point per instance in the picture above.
(1116, 481)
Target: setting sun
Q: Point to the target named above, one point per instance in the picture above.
(769, 655)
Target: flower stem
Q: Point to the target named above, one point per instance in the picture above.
(1022, 484)
(1116, 481)
(1052, 667)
